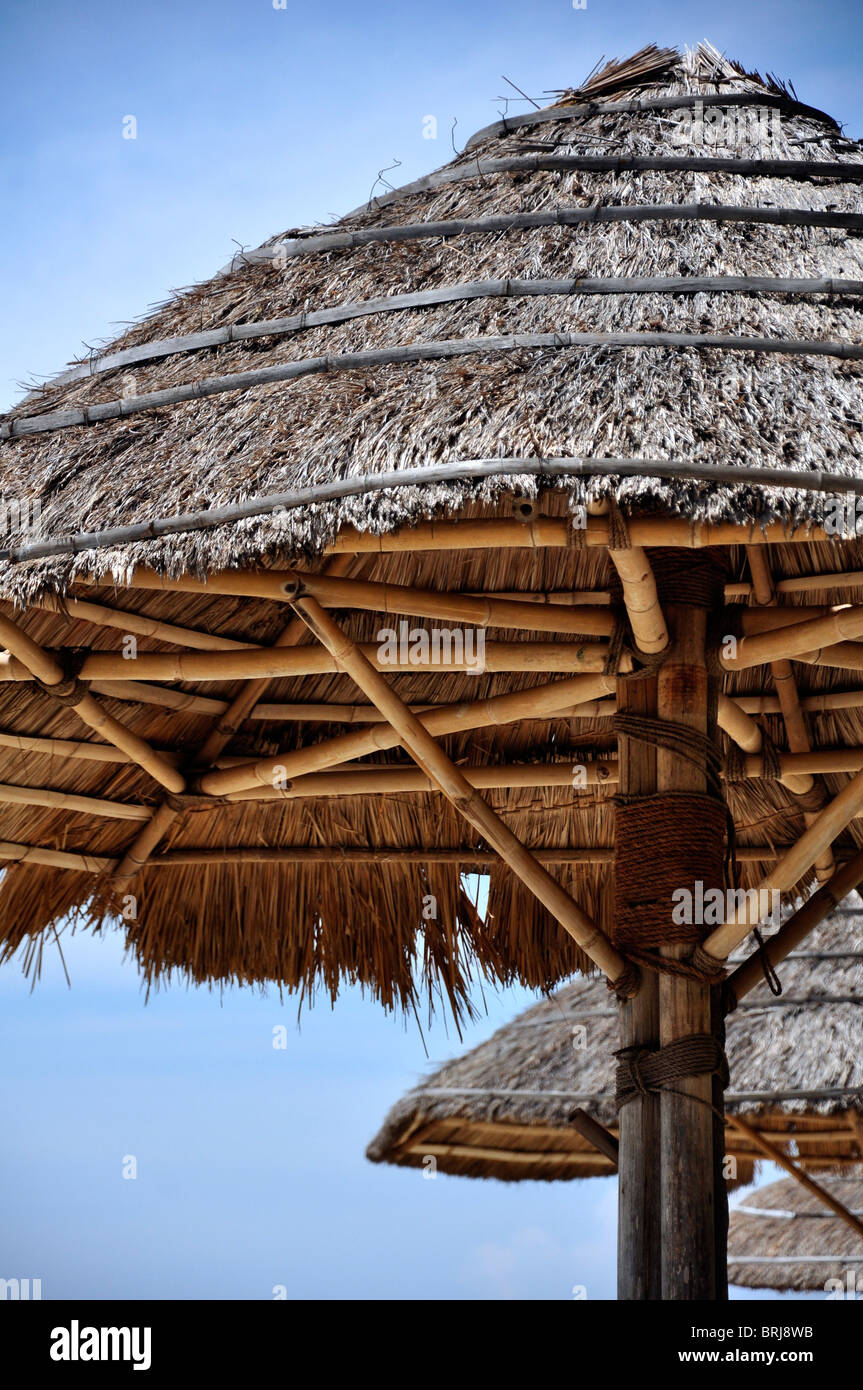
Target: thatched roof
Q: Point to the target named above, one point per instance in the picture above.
(504, 1109)
(803, 1245)
(302, 373)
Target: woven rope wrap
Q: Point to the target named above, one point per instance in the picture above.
(70, 690)
(663, 843)
(642, 1070)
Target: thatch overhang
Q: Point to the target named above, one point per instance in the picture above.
(782, 1237)
(392, 342)
(512, 1107)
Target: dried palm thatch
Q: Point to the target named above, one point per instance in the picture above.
(784, 1238)
(513, 1107)
(594, 285)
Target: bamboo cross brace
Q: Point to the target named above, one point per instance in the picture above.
(773, 1152)
(552, 698)
(798, 639)
(255, 662)
(836, 815)
(452, 783)
(39, 663)
(797, 927)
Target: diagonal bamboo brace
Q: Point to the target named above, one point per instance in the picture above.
(434, 762)
(44, 667)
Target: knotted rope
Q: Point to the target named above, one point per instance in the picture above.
(643, 1069)
(70, 690)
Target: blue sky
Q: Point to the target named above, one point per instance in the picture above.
(250, 120)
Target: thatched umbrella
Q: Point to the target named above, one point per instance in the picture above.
(594, 382)
(784, 1238)
(537, 1099)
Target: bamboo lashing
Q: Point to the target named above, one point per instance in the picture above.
(45, 668)
(431, 758)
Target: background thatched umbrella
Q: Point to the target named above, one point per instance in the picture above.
(802, 1245)
(511, 1108)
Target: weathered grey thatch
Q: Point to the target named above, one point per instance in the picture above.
(758, 371)
(804, 1245)
(504, 1108)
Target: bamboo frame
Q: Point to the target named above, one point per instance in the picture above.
(430, 757)
(55, 858)
(798, 639)
(553, 698)
(37, 662)
(226, 725)
(64, 748)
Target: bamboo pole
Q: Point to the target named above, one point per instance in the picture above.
(66, 801)
(796, 640)
(797, 927)
(791, 868)
(431, 758)
(690, 1138)
(639, 1265)
(556, 532)
(797, 734)
(256, 662)
(777, 1156)
(101, 615)
(54, 858)
(64, 748)
(743, 730)
(640, 598)
(40, 663)
(351, 854)
(555, 697)
(377, 779)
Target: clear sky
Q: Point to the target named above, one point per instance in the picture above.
(252, 119)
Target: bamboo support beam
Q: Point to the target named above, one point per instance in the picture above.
(640, 598)
(431, 758)
(799, 639)
(252, 663)
(37, 662)
(101, 615)
(67, 801)
(791, 868)
(797, 734)
(301, 767)
(797, 927)
(777, 1156)
(54, 858)
(558, 533)
(555, 697)
(64, 748)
